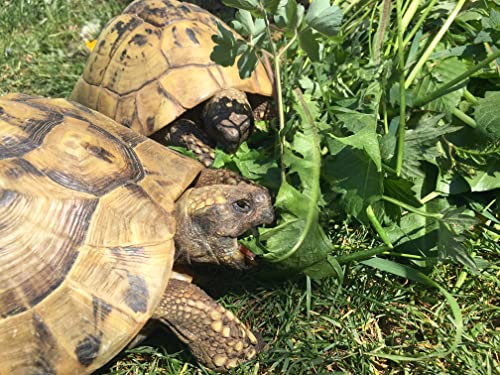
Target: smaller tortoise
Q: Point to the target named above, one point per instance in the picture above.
(90, 214)
(151, 64)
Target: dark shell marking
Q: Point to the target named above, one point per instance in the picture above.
(137, 295)
(87, 349)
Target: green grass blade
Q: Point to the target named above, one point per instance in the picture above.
(425, 56)
(416, 276)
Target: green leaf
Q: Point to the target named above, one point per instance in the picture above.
(323, 17)
(364, 127)
(487, 116)
(309, 43)
(422, 143)
(486, 178)
(224, 52)
(247, 63)
(354, 175)
(244, 23)
(242, 4)
(299, 240)
(401, 189)
(313, 253)
(325, 268)
(442, 71)
(272, 5)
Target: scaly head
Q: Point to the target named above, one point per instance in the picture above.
(210, 219)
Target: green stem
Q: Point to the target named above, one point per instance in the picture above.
(432, 195)
(361, 255)
(378, 227)
(470, 98)
(419, 23)
(464, 118)
(425, 56)
(445, 89)
(402, 92)
(410, 12)
(279, 93)
(405, 255)
(411, 208)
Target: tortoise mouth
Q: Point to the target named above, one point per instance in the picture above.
(240, 256)
(248, 254)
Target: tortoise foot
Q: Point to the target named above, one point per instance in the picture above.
(185, 133)
(214, 335)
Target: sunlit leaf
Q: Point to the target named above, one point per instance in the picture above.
(323, 17)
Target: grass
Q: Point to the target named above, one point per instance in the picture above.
(310, 327)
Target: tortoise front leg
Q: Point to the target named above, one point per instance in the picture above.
(186, 133)
(214, 335)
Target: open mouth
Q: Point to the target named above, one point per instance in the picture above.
(249, 256)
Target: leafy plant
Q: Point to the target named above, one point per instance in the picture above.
(388, 116)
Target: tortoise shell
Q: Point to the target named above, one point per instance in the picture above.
(152, 63)
(86, 234)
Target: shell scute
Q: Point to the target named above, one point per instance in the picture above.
(86, 228)
(168, 43)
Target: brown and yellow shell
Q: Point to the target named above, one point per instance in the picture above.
(86, 234)
(152, 63)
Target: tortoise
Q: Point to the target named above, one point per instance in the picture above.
(90, 213)
(151, 64)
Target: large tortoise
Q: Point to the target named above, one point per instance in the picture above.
(152, 63)
(89, 214)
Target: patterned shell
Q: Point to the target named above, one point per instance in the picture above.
(152, 63)
(86, 227)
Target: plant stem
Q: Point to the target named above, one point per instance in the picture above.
(411, 208)
(419, 23)
(410, 12)
(402, 92)
(445, 89)
(378, 227)
(384, 16)
(425, 56)
(470, 98)
(279, 93)
(361, 255)
(464, 118)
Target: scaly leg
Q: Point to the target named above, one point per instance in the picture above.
(215, 336)
(185, 133)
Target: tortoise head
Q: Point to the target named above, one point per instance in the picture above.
(228, 118)
(210, 219)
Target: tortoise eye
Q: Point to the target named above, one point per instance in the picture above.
(242, 205)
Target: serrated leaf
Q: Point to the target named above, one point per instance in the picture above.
(422, 143)
(364, 127)
(325, 268)
(323, 17)
(354, 175)
(441, 72)
(487, 116)
(451, 246)
(401, 189)
(314, 250)
(299, 241)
